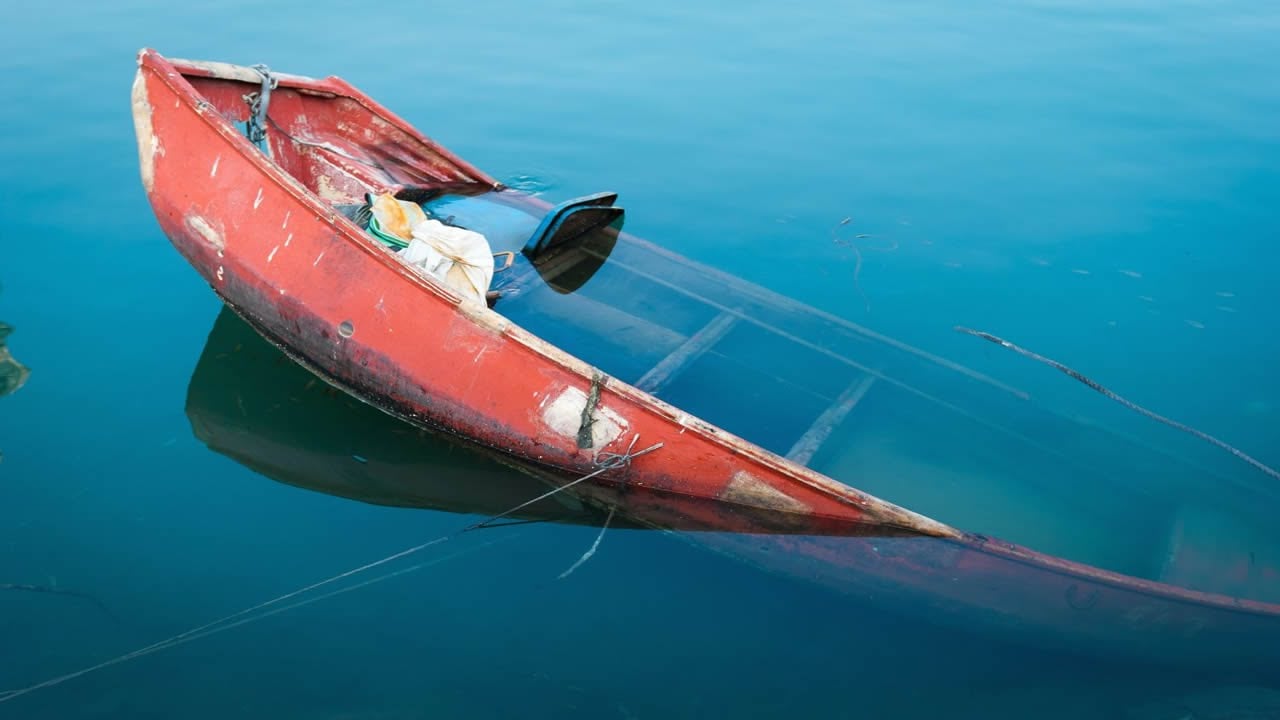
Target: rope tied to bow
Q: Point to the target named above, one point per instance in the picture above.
(604, 462)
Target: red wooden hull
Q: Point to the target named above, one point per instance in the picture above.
(251, 404)
(265, 236)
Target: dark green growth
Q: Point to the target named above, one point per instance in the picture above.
(13, 374)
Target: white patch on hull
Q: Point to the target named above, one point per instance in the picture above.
(747, 489)
(207, 232)
(563, 415)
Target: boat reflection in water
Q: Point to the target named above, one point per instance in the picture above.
(251, 403)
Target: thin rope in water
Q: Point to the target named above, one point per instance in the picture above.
(1113, 396)
(592, 550)
(612, 461)
(188, 636)
(615, 460)
(182, 636)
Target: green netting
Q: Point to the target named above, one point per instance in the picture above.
(386, 238)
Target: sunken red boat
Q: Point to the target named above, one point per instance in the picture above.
(760, 416)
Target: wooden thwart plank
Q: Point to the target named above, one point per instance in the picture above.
(805, 448)
(693, 348)
(771, 311)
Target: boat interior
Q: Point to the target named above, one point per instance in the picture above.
(861, 407)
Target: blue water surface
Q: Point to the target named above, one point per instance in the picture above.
(1096, 181)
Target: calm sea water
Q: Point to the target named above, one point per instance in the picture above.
(1096, 181)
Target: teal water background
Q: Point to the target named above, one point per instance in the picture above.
(1098, 182)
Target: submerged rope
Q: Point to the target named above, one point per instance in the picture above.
(611, 461)
(1113, 396)
(591, 550)
(188, 636)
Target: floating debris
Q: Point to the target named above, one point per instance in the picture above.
(1131, 273)
(1078, 271)
(857, 255)
(52, 589)
(1225, 293)
(13, 374)
(1226, 309)
(1146, 298)
(1041, 262)
(1196, 324)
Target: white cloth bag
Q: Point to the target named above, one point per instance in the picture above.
(461, 259)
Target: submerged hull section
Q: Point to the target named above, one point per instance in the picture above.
(278, 419)
(264, 233)
(1022, 597)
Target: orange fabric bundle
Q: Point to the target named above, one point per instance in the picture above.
(397, 217)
